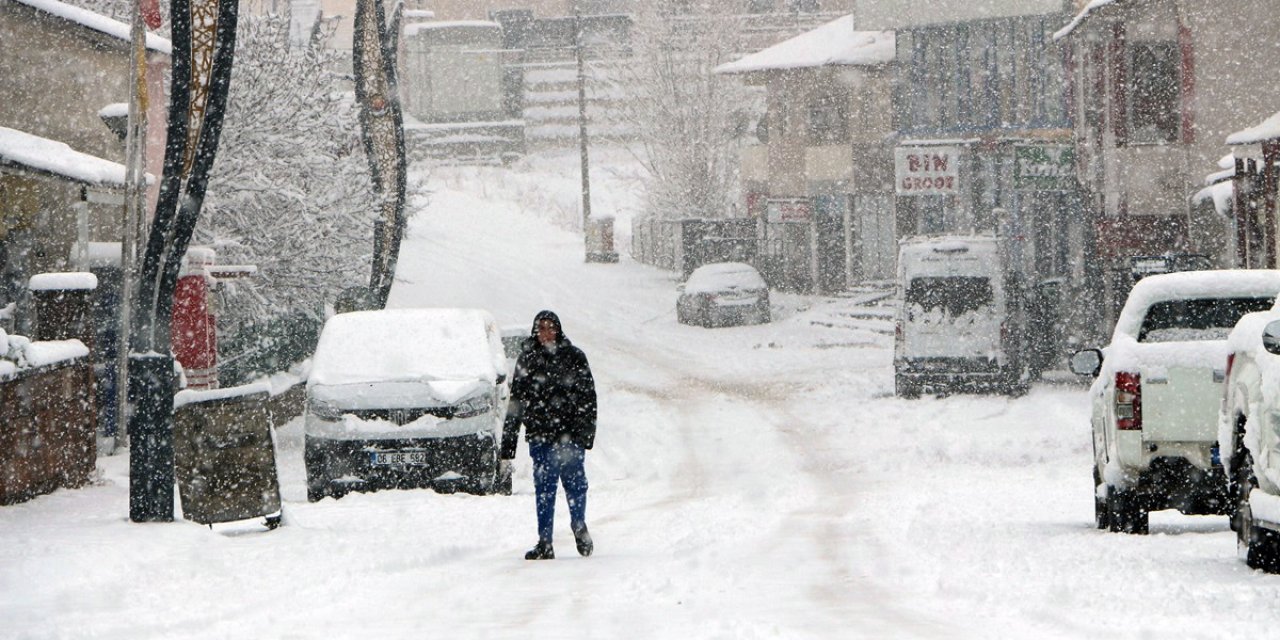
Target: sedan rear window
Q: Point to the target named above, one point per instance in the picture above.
(955, 296)
(1196, 320)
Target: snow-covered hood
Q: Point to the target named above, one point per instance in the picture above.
(406, 394)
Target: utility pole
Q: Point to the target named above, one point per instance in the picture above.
(134, 199)
(597, 235)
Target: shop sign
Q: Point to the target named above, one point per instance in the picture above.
(789, 210)
(927, 171)
(1044, 167)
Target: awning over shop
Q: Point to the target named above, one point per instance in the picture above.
(39, 155)
(832, 44)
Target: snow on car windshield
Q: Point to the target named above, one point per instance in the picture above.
(722, 276)
(404, 345)
(954, 296)
(1197, 319)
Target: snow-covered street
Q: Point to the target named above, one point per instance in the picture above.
(750, 482)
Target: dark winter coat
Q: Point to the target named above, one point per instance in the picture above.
(552, 393)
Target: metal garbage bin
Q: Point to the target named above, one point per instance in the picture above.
(224, 456)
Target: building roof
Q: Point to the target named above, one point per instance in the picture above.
(1268, 129)
(97, 22)
(418, 27)
(1094, 5)
(832, 44)
(46, 156)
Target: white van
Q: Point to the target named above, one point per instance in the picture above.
(960, 318)
(406, 398)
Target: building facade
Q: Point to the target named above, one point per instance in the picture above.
(818, 176)
(57, 95)
(1158, 86)
(983, 140)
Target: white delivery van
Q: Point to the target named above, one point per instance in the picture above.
(960, 318)
(402, 398)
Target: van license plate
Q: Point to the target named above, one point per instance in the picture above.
(398, 458)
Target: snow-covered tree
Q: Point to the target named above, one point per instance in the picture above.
(688, 119)
(290, 191)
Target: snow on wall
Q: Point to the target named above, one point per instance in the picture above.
(74, 280)
(21, 148)
(19, 352)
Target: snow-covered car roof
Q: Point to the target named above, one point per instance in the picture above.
(721, 276)
(407, 345)
(1192, 285)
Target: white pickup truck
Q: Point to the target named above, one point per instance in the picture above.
(1249, 435)
(1157, 393)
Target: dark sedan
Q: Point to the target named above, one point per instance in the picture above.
(723, 294)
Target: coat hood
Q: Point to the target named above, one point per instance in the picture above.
(555, 320)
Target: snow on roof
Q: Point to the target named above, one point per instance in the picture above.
(1269, 129)
(97, 22)
(1192, 285)
(415, 28)
(50, 156)
(834, 43)
(719, 276)
(1223, 193)
(1084, 13)
(407, 345)
(114, 110)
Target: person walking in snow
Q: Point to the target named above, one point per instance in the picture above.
(554, 396)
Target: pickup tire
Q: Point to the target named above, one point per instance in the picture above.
(1260, 547)
(1126, 513)
(904, 387)
(1100, 515)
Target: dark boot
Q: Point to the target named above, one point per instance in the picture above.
(541, 551)
(583, 538)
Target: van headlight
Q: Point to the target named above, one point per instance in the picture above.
(324, 410)
(473, 407)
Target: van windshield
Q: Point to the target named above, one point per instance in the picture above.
(953, 295)
(1196, 320)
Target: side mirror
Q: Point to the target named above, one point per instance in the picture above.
(1086, 362)
(1271, 337)
(502, 377)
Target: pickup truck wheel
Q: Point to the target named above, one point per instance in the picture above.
(1125, 513)
(903, 387)
(1260, 547)
(1099, 504)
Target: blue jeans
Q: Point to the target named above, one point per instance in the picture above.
(559, 462)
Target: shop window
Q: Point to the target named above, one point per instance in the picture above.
(1154, 92)
(829, 119)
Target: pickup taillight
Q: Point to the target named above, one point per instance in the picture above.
(1128, 401)
(1231, 362)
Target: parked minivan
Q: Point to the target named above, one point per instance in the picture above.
(960, 318)
(402, 398)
